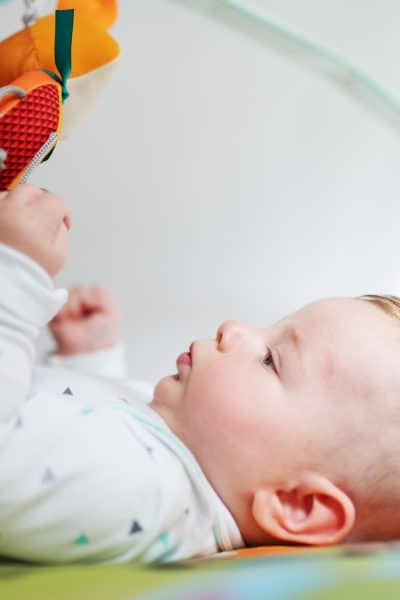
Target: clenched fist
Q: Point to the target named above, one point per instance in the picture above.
(35, 222)
(90, 320)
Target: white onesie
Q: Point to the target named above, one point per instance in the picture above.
(88, 471)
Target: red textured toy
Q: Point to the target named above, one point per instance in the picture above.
(30, 123)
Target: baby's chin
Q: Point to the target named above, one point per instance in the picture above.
(167, 399)
(167, 396)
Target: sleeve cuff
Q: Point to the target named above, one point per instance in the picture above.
(27, 290)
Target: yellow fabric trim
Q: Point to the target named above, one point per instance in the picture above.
(92, 46)
(102, 12)
(33, 48)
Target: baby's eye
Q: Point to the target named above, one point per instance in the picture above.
(268, 359)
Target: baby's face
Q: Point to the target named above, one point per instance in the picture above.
(258, 405)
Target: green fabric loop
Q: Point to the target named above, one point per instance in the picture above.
(62, 48)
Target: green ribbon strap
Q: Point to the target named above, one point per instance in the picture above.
(62, 49)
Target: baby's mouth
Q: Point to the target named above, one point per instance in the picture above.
(184, 359)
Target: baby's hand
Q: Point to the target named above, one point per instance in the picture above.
(90, 320)
(36, 223)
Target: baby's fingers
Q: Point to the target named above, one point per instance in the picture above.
(97, 298)
(72, 309)
(91, 301)
(75, 301)
(107, 301)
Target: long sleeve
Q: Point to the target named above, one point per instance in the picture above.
(28, 300)
(108, 362)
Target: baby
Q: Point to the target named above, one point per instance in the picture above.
(284, 434)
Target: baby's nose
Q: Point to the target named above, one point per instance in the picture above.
(231, 333)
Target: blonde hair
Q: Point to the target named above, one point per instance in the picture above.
(389, 304)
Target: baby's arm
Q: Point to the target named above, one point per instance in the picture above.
(33, 247)
(87, 331)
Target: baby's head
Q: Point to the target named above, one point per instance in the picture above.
(297, 425)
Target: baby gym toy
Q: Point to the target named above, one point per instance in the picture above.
(72, 45)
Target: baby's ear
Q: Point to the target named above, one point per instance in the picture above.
(314, 511)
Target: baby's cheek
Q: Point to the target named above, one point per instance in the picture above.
(219, 402)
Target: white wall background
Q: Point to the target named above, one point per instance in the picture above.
(217, 178)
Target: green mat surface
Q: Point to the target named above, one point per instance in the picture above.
(363, 573)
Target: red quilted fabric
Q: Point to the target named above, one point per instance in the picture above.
(25, 128)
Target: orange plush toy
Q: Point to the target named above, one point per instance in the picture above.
(35, 64)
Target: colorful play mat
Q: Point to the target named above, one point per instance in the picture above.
(363, 572)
